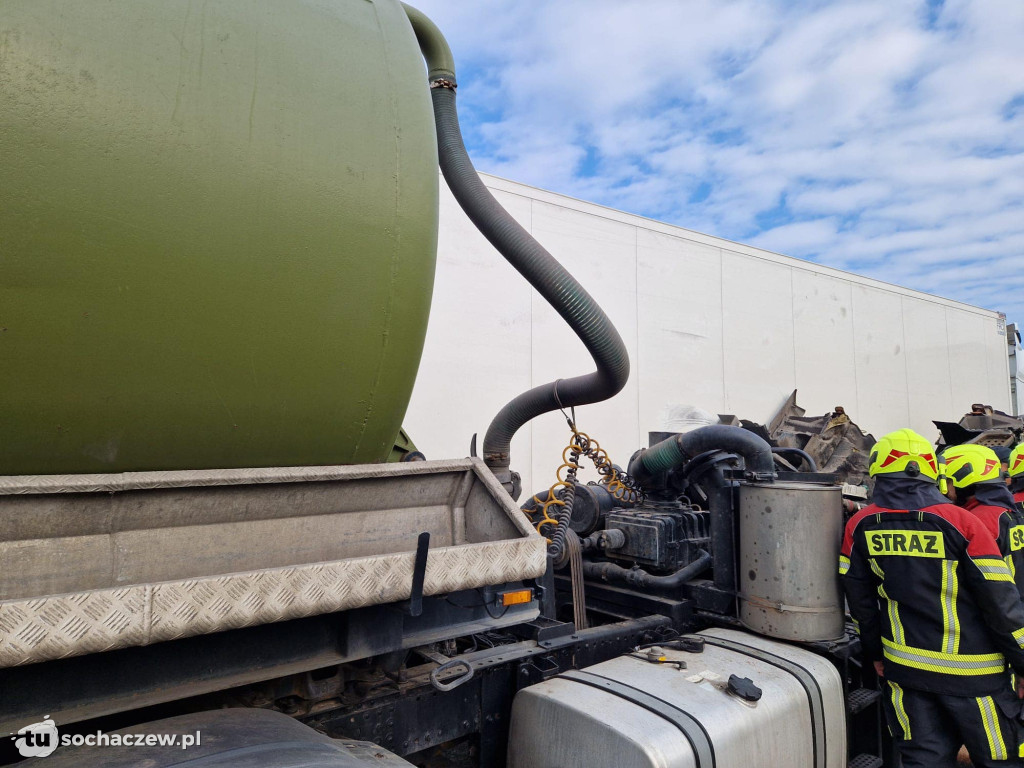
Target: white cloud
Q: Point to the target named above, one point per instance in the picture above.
(803, 236)
(874, 135)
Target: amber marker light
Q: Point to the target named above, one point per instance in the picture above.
(516, 597)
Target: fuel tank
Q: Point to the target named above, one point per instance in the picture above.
(669, 708)
(218, 227)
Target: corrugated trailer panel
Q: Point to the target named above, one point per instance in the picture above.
(669, 268)
(707, 322)
(879, 358)
(825, 338)
(928, 358)
(758, 344)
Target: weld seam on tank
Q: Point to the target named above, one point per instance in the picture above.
(529, 258)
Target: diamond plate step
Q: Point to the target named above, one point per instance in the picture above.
(861, 699)
(865, 761)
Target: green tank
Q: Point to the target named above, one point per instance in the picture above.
(218, 229)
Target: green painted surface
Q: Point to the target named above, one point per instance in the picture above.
(218, 226)
(403, 446)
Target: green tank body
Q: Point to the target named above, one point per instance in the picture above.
(218, 228)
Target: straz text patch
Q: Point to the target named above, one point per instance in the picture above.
(910, 543)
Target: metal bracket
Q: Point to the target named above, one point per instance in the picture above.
(419, 575)
(446, 668)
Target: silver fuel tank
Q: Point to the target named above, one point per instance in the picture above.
(640, 712)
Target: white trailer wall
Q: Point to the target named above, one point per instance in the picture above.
(1016, 369)
(707, 322)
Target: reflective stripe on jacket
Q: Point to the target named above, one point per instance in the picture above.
(1007, 526)
(933, 597)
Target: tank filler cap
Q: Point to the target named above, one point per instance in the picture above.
(744, 688)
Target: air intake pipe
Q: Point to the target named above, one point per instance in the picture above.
(651, 463)
(529, 258)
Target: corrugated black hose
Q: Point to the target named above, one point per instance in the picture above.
(530, 259)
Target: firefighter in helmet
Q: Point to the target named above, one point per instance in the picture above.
(938, 614)
(1015, 470)
(976, 479)
(1004, 457)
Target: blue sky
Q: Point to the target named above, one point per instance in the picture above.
(884, 137)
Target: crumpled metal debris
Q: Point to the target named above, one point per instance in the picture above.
(984, 425)
(835, 442)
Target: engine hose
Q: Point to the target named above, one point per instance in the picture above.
(651, 463)
(529, 258)
(639, 578)
(701, 463)
(787, 451)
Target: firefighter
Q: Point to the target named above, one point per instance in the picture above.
(1015, 471)
(1004, 459)
(975, 473)
(937, 612)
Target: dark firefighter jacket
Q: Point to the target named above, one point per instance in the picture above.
(1006, 524)
(933, 597)
(1017, 535)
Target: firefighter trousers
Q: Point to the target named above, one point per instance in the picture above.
(929, 728)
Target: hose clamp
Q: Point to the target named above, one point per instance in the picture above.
(444, 83)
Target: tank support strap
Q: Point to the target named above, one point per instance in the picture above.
(690, 727)
(761, 602)
(805, 678)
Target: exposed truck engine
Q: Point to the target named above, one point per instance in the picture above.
(219, 229)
